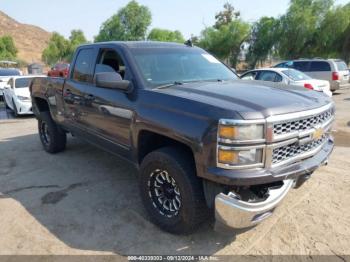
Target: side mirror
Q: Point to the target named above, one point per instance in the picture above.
(112, 80)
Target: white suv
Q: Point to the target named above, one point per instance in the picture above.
(333, 70)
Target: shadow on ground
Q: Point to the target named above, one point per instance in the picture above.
(89, 199)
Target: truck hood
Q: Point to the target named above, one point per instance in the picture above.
(251, 99)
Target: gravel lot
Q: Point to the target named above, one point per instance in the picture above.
(85, 201)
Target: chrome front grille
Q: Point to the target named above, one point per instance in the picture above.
(291, 151)
(302, 124)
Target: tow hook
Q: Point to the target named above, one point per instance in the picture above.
(325, 163)
(301, 180)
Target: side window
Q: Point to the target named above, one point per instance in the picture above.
(110, 61)
(320, 66)
(281, 65)
(278, 78)
(83, 67)
(249, 76)
(10, 83)
(301, 66)
(267, 76)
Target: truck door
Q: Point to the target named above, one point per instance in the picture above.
(109, 112)
(75, 86)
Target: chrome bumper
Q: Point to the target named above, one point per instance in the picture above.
(235, 213)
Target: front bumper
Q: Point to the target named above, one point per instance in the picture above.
(24, 108)
(265, 176)
(235, 213)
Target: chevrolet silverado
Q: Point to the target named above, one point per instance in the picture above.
(205, 143)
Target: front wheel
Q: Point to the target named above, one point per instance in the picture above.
(171, 192)
(52, 137)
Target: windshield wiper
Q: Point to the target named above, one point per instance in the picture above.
(176, 83)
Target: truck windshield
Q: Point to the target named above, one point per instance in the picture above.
(23, 82)
(160, 66)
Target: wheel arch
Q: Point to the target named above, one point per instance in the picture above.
(149, 141)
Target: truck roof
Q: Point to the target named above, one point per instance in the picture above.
(142, 44)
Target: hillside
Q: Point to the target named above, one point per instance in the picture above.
(30, 40)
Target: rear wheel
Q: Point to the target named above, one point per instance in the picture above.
(171, 192)
(52, 137)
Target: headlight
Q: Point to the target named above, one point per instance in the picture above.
(23, 98)
(240, 157)
(236, 131)
(241, 144)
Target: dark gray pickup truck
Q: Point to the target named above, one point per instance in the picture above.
(202, 140)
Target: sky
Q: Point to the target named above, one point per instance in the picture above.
(188, 16)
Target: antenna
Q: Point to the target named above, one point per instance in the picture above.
(189, 43)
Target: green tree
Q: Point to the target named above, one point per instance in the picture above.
(226, 16)
(262, 40)
(58, 49)
(226, 37)
(164, 35)
(334, 33)
(61, 49)
(76, 39)
(226, 41)
(8, 49)
(299, 26)
(130, 23)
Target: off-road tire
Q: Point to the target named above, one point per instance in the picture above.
(179, 165)
(52, 137)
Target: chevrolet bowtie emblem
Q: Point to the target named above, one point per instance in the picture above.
(318, 134)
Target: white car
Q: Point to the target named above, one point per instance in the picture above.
(5, 75)
(17, 95)
(290, 77)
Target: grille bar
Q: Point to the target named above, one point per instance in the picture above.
(302, 124)
(285, 153)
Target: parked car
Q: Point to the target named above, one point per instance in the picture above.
(59, 70)
(5, 74)
(17, 95)
(333, 70)
(288, 76)
(202, 139)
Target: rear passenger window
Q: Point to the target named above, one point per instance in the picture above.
(320, 66)
(301, 66)
(84, 64)
(278, 78)
(249, 76)
(267, 76)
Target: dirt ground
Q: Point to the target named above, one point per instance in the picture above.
(85, 201)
